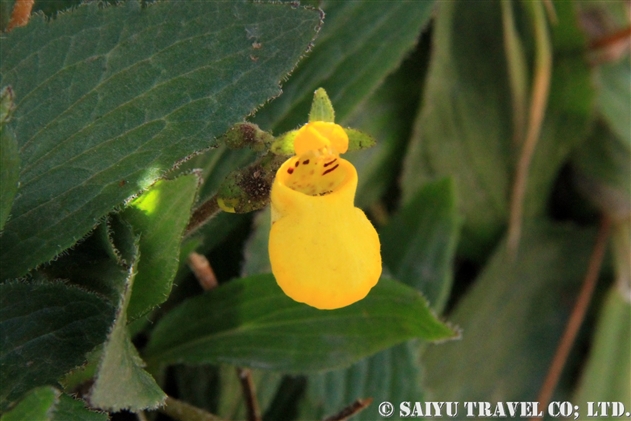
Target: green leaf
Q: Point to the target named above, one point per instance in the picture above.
(199, 385)
(121, 382)
(321, 107)
(80, 376)
(419, 242)
(607, 375)
(602, 171)
(70, 409)
(614, 96)
(37, 405)
(464, 129)
(96, 264)
(418, 246)
(218, 389)
(570, 113)
(52, 7)
(512, 318)
(48, 404)
(29, 315)
(108, 261)
(256, 251)
(231, 405)
(116, 96)
(159, 217)
(215, 165)
(360, 43)
(392, 375)
(7, 105)
(9, 172)
(252, 323)
(387, 115)
(6, 6)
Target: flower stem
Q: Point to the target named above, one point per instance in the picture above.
(202, 214)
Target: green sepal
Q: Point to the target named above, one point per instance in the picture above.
(248, 135)
(321, 107)
(248, 189)
(359, 140)
(284, 144)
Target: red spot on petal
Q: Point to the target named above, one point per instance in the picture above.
(330, 169)
(290, 170)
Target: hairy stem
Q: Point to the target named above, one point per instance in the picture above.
(201, 215)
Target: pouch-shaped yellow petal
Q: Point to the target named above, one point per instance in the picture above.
(323, 250)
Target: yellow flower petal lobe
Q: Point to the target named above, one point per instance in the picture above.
(320, 134)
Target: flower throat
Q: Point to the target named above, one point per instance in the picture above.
(315, 173)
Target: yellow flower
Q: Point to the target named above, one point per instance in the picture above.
(323, 250)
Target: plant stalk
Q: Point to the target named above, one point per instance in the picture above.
(538, 104)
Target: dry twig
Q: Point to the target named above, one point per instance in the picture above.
(202, 270)
(577, 316)
(21, 13)
(249, 394)
(353, 409)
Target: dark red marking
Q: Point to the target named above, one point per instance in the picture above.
(290, 170)
(330, 169)
(329, 163)
(305, 162)
(297, 163)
